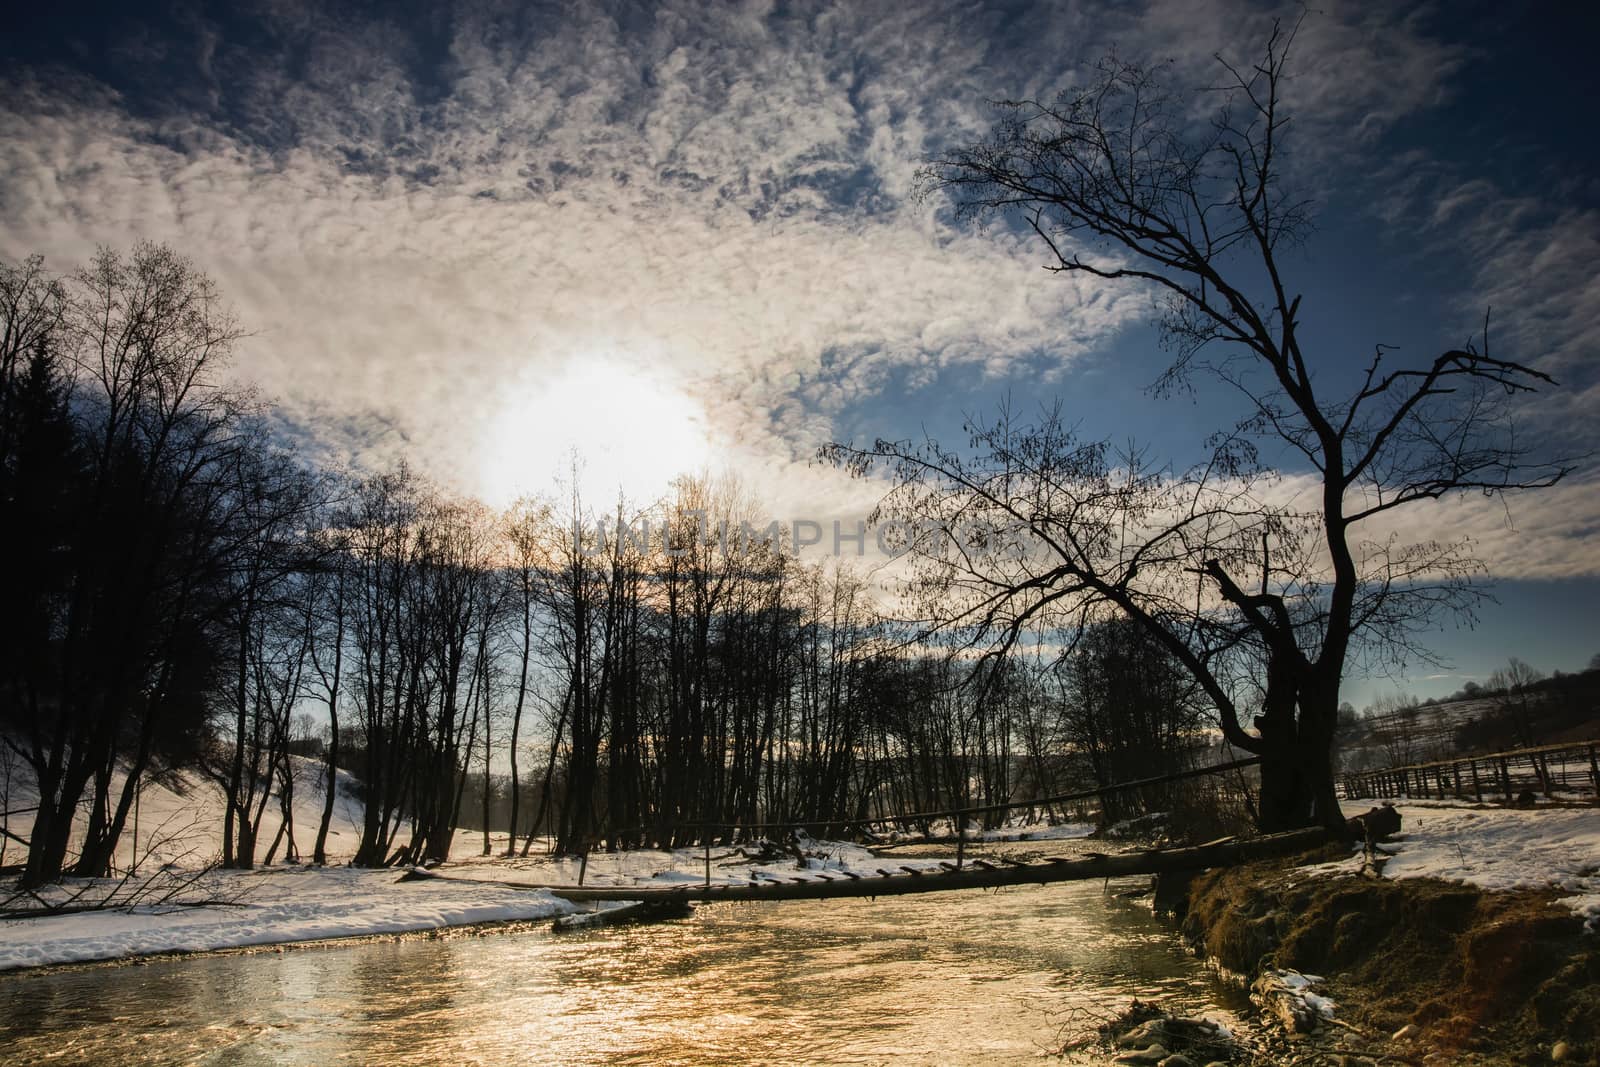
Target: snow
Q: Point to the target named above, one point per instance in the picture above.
(172, 903)
(1495, 849)
(1067, 831)
(944, 831)
(280, 904)
(678, 867)
(1296, 981)
(286, 904)
(180, 824)
(1287, 993)
(179, 819)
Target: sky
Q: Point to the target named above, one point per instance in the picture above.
(682, 236)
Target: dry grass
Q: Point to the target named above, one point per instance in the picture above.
(1502, 975)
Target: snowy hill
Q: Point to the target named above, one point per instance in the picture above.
(180, 820)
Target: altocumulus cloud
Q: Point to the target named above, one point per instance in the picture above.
(719, 192)
(426, 214)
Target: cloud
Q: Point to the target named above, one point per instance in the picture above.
(712, 194)
(1541, 534)
(411, 215)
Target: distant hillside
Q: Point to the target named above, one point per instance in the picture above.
(1548, 711)
(180, 817)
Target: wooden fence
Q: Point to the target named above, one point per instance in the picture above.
(1547, 769)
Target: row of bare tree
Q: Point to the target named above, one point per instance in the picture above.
(187, 591)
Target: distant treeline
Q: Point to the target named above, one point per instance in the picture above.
(185, 592)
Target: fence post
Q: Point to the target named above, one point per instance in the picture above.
(1477, 787)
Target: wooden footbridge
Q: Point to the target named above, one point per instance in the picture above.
(972, 874)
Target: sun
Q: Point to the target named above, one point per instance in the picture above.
(630, 428)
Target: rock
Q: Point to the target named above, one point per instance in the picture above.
(1173, 1033)
(1377, 824)
(1152, 1055)
(1177, 1059)
(1172, 892)
(1286, 995)
(1141, 1036)
(1561, 1052)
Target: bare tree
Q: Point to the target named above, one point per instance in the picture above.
(1396, 727)
(1513, 685)
(328, 605)
(1117, 182)
(523, 546)
(1129, 707)
(140, 527)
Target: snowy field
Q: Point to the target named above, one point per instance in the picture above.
(1494, 848)
(179, 835)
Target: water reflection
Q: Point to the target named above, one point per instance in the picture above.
(959, 978)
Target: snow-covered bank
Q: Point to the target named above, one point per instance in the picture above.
(752, 863)
(274, 905)
(1067, 831)
(178, 905)
(1495, 848)
(233, 909)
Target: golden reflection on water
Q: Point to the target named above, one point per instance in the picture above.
(946, 979)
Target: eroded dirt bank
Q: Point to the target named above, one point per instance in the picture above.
(1465, 975)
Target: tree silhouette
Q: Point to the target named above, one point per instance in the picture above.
(1265, 606)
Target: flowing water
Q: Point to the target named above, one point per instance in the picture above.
(944, 978)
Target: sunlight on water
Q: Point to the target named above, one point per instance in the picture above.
(958, 978)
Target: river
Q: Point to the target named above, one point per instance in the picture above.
(966, 977)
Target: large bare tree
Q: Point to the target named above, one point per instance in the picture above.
(1264, 604)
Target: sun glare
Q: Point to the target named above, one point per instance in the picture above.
(630, 429)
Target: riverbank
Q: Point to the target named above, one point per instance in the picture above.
(174, 910)
(1475, 942)
(277, 905)
(173, 898)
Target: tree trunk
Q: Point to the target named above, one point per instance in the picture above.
(319, 854)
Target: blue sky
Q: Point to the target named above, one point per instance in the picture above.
(681, 235)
